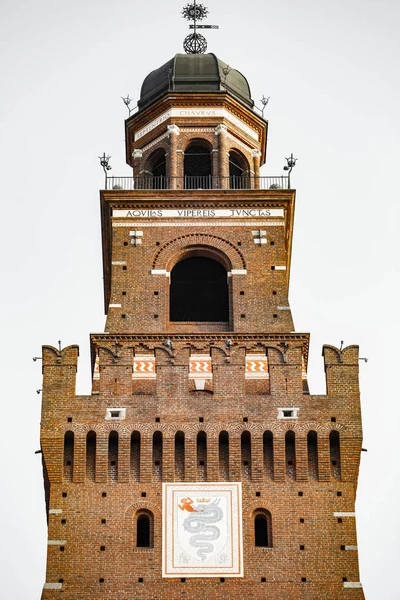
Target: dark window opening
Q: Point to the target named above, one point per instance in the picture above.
(113, 456)
(68, 455)
(143, 531)
(245, 443)
(91, 455)
(202, 456)
(312, 450)
(157, 455)
(198, 166)
(290, 455)
(239, 173)
(223, 451)
(135, 456)
(334, 447)
(199, 291)
(268, 454)
(262, 529)
(156, 170)
(179, 456)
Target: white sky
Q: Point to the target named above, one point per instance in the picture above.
(331, 69)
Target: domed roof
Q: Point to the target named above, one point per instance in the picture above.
(194, 73)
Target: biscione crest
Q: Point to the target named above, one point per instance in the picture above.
(202, 534)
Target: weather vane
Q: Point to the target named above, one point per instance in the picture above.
(195, 43)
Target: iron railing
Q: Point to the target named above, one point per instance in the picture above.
(200, 182)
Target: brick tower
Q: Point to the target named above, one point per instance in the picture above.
(200, 465)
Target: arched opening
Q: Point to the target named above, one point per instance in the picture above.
(113, 455)
(290, 452)
(334, 446)
(157, 455)
(135, 456)
(262, 528)
(239, 172)
(223, 455)
(144, 529)
(91, 456)
(245, 443)
(156, 170)
(202, 456)
(268, 453)
(68, 455)
(179, 456)
(312, 451)
(199, 290)
(198, 165)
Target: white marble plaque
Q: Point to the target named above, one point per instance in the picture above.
(202, 530)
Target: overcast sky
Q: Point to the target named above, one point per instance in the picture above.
(331, 69)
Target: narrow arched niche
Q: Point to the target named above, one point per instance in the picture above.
(199, 290)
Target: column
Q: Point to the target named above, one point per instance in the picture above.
(172, 171)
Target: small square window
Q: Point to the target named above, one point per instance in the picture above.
(242, 316)
(69, 419)
(274, 292)
(157, 243)
(124, 268)
(143, 494)
(338, 493)
(102, 548)
(241, 293)
(62, 548)
(272, 243)
(340, 520)
(124, 293)
(123, 316)
(140, 579)
(275, 316)
(287, 413)
(301, 520)
(201, 419)
(300, 493)
(258, 494)
(156, 316)
(302, 547)
(245, 419)
(263, 579)
(61, 580)
(333, 419)
(304, 579)
(64, 494)
(101, 580)
(222, 579)
(239, 243)
(156, 293)
(103, 521)
(344, 579)
(183, 579)
(157, 419)
(103, 494)
(343, 547)
(115, 414)
(272, 268)
(63, 521)
(125, 243)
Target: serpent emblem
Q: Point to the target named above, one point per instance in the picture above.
(199, 524)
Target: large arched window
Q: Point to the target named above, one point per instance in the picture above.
(155, 172)
(199, 290)
(198, 165)
(91, 455)
(239, 172)
(144, 529)
(262, 528)
(68, 455)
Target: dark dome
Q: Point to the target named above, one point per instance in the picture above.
(194, 73)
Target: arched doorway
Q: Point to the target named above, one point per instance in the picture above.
(199, 290)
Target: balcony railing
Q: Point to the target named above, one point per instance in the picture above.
(207, 182)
